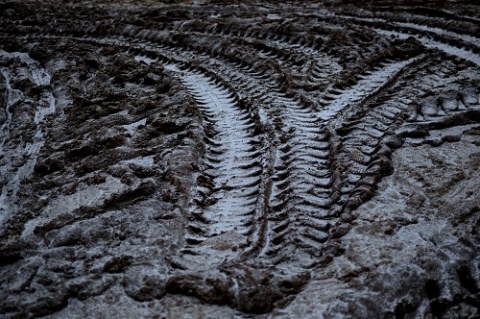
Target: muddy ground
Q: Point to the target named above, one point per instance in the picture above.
(216, 159)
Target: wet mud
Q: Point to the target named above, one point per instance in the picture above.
(210, 159)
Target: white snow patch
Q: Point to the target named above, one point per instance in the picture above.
(133, 126)
(89, 196)
(146, 161)
(173, 68)
(273, 16)
(146, 60)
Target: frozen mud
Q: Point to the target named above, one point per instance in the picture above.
(215, 159)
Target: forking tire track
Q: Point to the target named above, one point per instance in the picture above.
(309, 155)
(294, 141)
(308, 196)
(312, 157)
(301, 121)
(372, 132)
(367, 175)
(309, 228)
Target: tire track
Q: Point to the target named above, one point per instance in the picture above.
(303, 162)
(227, 199)
(304, 124)
(373, 83)
(301, 113)
(303, 219)
(299, 217)
(307, 184)
(462, 46)
(371, 134)
(302, 56)
(303, 159)
(307, 164)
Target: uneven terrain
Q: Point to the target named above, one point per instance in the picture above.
(217, 159)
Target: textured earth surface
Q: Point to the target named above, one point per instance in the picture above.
(223, 159)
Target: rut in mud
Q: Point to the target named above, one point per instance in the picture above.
(248, 160)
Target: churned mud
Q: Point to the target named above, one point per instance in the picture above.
(215, 159)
